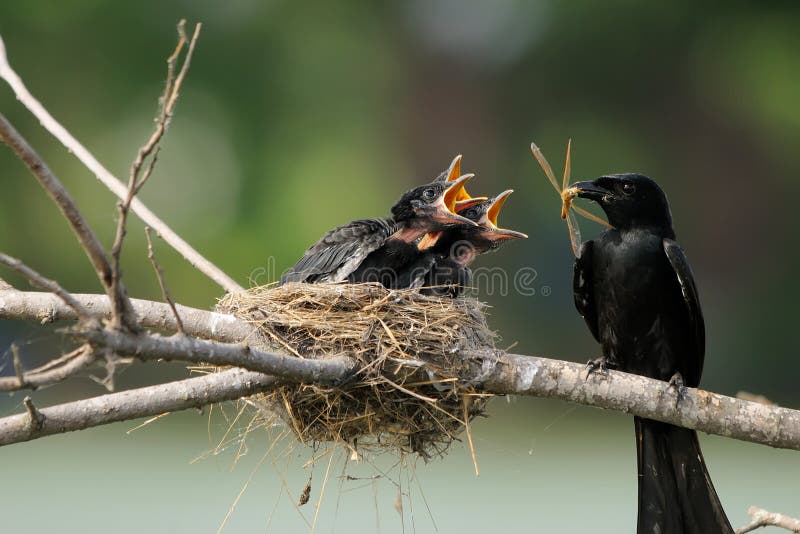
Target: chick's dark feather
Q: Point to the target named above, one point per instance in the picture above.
(348, 245)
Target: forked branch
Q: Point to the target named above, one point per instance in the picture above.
(762, 518)
(133, 404)
(86, 236)
(492, 372)
(48, 374)
(54, 287)
(109, 180)
(148, 154)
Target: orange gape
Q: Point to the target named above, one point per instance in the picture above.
(567, 194)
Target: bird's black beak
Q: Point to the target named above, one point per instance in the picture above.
(590, 190)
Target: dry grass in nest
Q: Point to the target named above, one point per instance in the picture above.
(408, 346)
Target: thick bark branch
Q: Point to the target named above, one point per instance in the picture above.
(46, 307)
(133, 404)
(654, 399)
(188, 349)
(493, 372)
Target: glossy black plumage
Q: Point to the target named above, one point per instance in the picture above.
(635, 289)
(378, 249)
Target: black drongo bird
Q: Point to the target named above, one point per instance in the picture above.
(634, 287)
(457, 248)
(376, 250)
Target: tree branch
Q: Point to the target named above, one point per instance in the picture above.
(108, 179)
(87, 238)
(124, 315)
(763, 518)
(133, 404)
(46, 308)
(497, 372)
(491, 371)
(188, 349)
(151, 254)
(41, 282)
(50, 373)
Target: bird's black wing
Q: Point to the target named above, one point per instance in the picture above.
(340, 251)
(583, 287)
(683, 271)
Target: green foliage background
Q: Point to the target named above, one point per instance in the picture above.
(297, 117)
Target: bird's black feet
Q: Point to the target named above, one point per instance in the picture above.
(676, 383)
(599, 365)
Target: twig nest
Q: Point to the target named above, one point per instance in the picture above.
(408, 346)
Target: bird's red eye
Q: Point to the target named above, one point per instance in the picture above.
(629, 189)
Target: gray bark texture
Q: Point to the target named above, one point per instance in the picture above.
(491, 371)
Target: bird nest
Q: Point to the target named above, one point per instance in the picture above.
(408, 347)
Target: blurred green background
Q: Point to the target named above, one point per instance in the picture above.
(297, 117)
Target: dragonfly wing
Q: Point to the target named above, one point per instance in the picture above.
(591, 216)
(574, 232)
(545, 165)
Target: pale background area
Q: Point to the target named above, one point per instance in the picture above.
(545, 467)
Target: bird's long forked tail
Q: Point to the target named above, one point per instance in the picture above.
(676, 495)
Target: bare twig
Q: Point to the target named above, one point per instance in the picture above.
(162, 284)
(763, 518)
(88, 240)
(19, 372)
(50, 373)
(109, 180)
(167, 104)
(133, 404)
(35, 417)
(167, 101)
(41, 282)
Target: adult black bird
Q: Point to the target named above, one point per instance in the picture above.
(634, 287)
(370, 250)
(455, 250)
